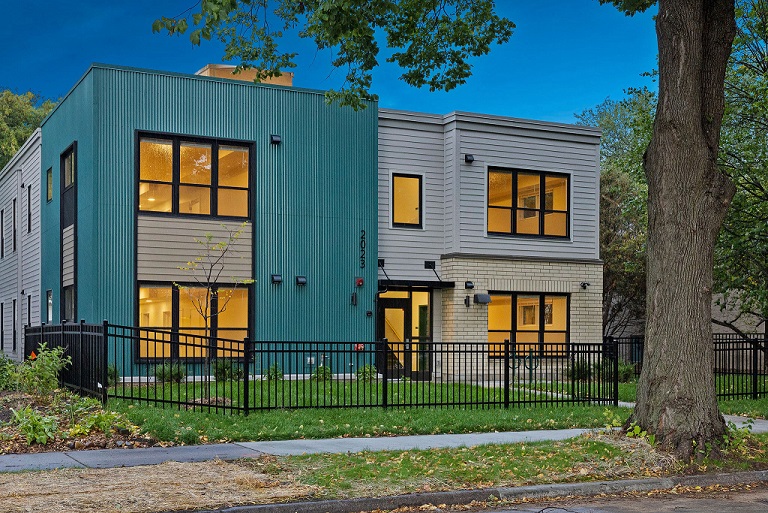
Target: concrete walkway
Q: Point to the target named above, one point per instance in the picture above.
(112, 458)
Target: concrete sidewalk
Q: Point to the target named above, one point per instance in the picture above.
(112, 458)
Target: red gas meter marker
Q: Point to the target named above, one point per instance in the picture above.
(359, 282)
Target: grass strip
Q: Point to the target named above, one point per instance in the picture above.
(189, 427)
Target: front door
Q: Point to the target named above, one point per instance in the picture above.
(407, 355)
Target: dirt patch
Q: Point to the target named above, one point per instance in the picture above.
(13, 442)
(167, 487)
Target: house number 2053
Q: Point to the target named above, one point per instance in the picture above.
(362, 249)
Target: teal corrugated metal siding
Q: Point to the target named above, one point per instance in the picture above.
(73, 120)
(314, 194)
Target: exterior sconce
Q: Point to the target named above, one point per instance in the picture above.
(469, 285)
(275, 139)
(584, 285)
(301, 280)
(466, 301)
(469, 158)
(277, 279)
(482, 299)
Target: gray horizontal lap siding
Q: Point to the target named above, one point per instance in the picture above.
(165, 244)
(20, 270)
(68, 256)
(416, 148)
(534, 150)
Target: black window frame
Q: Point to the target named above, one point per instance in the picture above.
(69, 152)
(2, 233)
(175, 329)
(29, 209)
(15, 322)
(176, 141)
(541, 321)
(49, 184)
(420, 224)
(541, 211)
(29, 310)
(15, 215)
(49, 305)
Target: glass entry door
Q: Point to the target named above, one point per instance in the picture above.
(408, 353)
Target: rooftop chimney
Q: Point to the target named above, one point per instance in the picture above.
(247, 75)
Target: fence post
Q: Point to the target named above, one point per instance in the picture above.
(385, 371)
(79, 361)
(246, 375)
(506, 373)
(615, 350)
(755, 345)
(104, 361)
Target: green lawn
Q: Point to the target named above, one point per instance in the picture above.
(192, 427)
(276, 394)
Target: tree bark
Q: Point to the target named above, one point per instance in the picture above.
(688, 197)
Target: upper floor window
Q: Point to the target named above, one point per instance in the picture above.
(406, 200)
(527, 203)
(49, 184)
(197, 177)
(68, 167)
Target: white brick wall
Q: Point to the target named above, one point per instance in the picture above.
(507, 275)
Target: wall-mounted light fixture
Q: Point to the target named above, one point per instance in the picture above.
(381, 263)
(469, 285)
(466, 301)
(469, 158)
(277, 279)
(429, 264)
(584, 285)
(482, 299)
(275, 139)
(301, 280)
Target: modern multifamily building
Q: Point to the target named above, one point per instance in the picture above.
(342, 225)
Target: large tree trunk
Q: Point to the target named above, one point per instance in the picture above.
(687, 200)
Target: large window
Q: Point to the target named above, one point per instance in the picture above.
(527, 203)
(406, 201)
(177, 313)
(537, 323)
(193, 177)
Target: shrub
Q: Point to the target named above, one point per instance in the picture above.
(580, 370)
(168, 371)
(41, 376)
(113, 376)
(226, 369)
(367, 373)
(274, 373)
(604, 369)
(322, 373)
(7, 373)
(35, 427)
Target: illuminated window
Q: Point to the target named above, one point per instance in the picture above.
(68, 168)
(406, 201)
(49, 184)
(535, 323)
(517, 205)
(180, 316)
(193, 177)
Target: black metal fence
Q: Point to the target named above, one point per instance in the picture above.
(85, 344)
(740, 363)
(195, 372)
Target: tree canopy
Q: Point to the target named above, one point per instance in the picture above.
(20, 115)
(433, 41)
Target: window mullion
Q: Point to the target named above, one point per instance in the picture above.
(513, 210)
(214, 189)
(176, 178)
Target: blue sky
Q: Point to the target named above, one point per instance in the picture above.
(564, 56)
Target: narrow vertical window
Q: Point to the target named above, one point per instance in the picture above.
(2, 325)
(15, 214)
(15, 322)
(29, 310)
(49, 184)
(2, 233)
(406, 201)
(49, 303)
(29, 209)
(68, 168)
